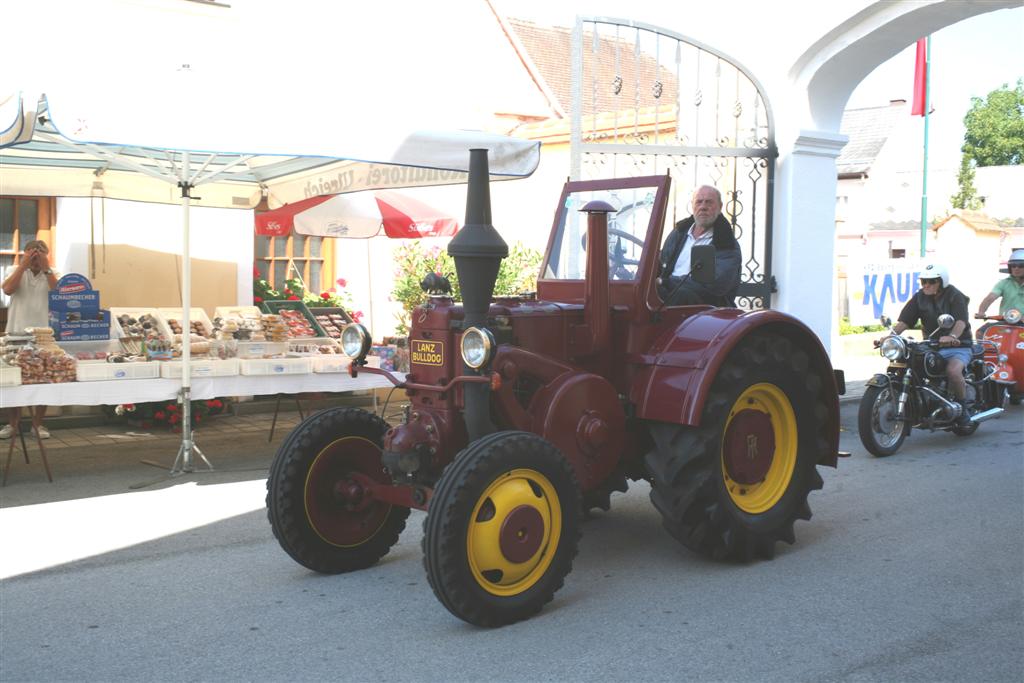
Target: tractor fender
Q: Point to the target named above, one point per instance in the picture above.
(676, 375)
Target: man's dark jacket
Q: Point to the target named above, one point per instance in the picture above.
(728, 263)
(927, 309)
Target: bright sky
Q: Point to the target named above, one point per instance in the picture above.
(969, 59)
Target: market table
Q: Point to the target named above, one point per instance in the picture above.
(113, 392)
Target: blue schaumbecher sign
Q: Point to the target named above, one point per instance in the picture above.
(75, 313)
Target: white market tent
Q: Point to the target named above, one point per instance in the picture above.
(186, 144)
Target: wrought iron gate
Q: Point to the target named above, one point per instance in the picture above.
(647, 101)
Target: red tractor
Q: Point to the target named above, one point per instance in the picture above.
(526, 412)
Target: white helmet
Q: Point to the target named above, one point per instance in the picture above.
(934, 270)
(1016, 257)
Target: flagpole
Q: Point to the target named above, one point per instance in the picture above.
(927, 110)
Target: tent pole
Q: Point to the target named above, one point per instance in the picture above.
(184, 461)
(369, 281)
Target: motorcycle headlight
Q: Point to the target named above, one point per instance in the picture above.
(477, 347)
(1012, 316)
(893, 348)
(355, 341)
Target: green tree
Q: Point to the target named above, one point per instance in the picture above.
(995, 128)
(967, 197)
(517, 273)
(994, 136)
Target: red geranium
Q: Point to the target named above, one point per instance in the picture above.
(257, 299)
(325, 295)
(293, 298)
(170, 415)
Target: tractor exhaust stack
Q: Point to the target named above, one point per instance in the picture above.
(477, 250)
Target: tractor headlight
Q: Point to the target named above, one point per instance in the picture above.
(477, 347)
(355, 341)
(893, 348)
(1012, 316)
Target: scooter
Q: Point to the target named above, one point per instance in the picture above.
(1004, 350)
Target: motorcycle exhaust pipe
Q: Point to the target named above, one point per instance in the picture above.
(954, 408)
(987, 414)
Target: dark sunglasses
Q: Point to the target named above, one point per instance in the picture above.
(1017, 265)
(930, 281)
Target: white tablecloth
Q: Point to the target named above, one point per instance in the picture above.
(113, 392)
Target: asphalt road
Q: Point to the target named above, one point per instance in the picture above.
(910, 570)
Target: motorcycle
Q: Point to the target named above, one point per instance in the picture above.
(1005, 350)
(913, 392)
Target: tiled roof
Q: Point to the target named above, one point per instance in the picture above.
(979, 221)
(887, 226)
(976, 220)
(868, 129)
(550, 50)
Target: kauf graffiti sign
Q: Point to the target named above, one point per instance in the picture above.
(881, 287)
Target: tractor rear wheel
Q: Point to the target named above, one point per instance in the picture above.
(316, 501)
(502, 529)
(734, 485)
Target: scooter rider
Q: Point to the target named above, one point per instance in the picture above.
(935, 298)
(1010, 290)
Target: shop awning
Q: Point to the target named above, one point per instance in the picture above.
(183, 141)
(132, 146)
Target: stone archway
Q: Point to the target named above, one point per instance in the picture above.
(820, 83)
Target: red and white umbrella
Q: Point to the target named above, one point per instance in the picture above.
(358, 215)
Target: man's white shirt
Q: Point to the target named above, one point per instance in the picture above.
(683, 262)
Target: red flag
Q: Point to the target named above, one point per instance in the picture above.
(920, 79)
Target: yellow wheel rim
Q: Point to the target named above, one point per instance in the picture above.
(759, 448)
(513, 532)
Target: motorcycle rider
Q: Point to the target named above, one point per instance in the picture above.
(935, 298)
(1009, 289)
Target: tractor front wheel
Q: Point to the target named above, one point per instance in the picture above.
(734, 485)
(317, 501)
(502, 529)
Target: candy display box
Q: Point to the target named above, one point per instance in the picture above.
(331, 362)
(10, 375)
(161, 325)
(194, 315)
(282, 308)
(276, 366)
(97, 370)
(260, 349)
(200, 368)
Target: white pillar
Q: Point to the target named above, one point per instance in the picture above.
(803, 240)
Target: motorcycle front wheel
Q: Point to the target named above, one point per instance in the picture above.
(880, 432)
